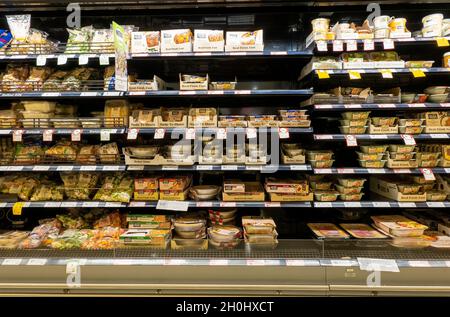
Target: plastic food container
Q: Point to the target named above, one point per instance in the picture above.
(372, 149)
(401, 148)
(398, 24)
(411, 189)
(370, 157)
(320, 185)
(428, 156)
(326, 195)
(410, 122)
(348, 190)
(353, 130)
(399, 226)
(428, 163)
(436, 196)
(351, 182)
(327, 230)
(91, 122)
(427, 187)
(319, 155)
(419, 64)
(382, 33)
(437, 98)
(401, 156)
(321, 164)
(188, 224)
(37, 115)
(320, 24)
(362, 231)
(355, 115)
(384, 121)
(432, 31)
(432, 19)
(39, 106)
(224, 233)
(381, 21)
(354, 123)
(372, 164)
(351, 197)
(437, 90)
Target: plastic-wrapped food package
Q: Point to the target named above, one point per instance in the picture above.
(75, 80)
(14, 78)
(110, 220)
(63, 151)
(47, 230)
(70, 239)
(71, 222)
(87, 154)
(53, 83)
(12, 239)
(79, 186)
(102, 41)
(104, 238)
(20, 27)
(28, 154)
(48, 191)
(27, 188)
(108, 153)
(124, 190)
(79, 40)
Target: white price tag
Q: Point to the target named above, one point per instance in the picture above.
(323, 204)
(227, 204)
(386, 73)
(51, 94)
(90, 204)
(338, 46)
(221, 133)
(341, 263)
(272, 204)
(283, 133)
(190, 134)
(12, 261)
(408, 139)
(204, 204)
(256, 262)
(64, 168)
(419, 263)
(137, 204)
(72, 267)
(322, 46)
(369, 45)
(295, 263)
(41, 168)
(427, 174)
(407, 205)
(229, 167)
(104, 59)
(159, 134)
(110, 168)
(41, 60)
(176, 262)
(47, 135)
(352, 204)
(435, 204)
(439, 136)
(88, 168)
(105, 135)
(89, 94)
(37, 262)
(251, 133)
(113, 205)
(351, 45)
(17, 135)
(132, 134)
(379, 265)
(52, 204)
(381, 204)
(388, 44)
(61, 60)
(350, 140)
(76, 135)
(215, 92)
(172, 205)
(83, 59)
(169, 168)
(298, 167)
(242, 92)
(69, 204)
(187, 92)
(219, 262)
(204, 167)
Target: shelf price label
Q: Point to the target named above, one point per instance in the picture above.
(17, 135)
(322, 46)
(104, 59)
(221, 133)
(17, 208)
(47, 135)
(251, 133)
(283, 133)
(369, 45)
(338, 46)
(351, 140)
(76, 135)
(83, 59)
(190, 134)
(408, 139)
(172, 205)
(105, 135)
(62, 59)
(41, 60)
(354, 74)
(417, 73)
(442, 42)
(388, 44)
(386, 73)
(427, 174)
(132, 134)
(323, 74)
(159, 134)
(351, 45)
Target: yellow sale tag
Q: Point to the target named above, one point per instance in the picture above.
(323, 74)
(417, 73)
(17, 208)
(386, 73)
(442, 41)
(354, 74)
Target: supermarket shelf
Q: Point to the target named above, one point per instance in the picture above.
(361, 170)
(381, 204)
(97, 56)
(60, 168)
(375, 106)
(161, 93)
(262, 168)
(215, 130)
(153, 204)
(63, 131)
(395, 72)
(379, 43)
(341, 137)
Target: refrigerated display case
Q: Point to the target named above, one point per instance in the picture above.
(347, 131)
